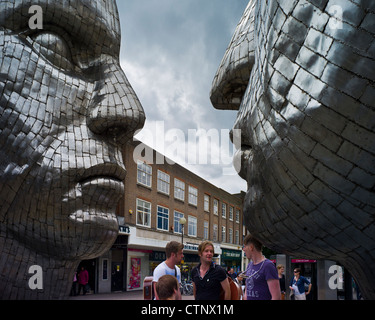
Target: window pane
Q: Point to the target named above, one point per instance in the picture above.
(163, 218)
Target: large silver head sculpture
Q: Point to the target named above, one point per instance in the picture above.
(66, 108)
(301, 75)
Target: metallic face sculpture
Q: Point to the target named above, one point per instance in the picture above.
(301, 74)
(66, 108)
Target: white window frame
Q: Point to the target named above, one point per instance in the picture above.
(216, 207)
(237, 237)
(177, 226)
(223, 235)
(206, 228)
(206, 203)
(215, 232)
(144, 174)
(145, 212)
(224, 210)
(163, 182)
(193, 196)
(163, 218)
(238, 215)
(192, 226)
(231, 210)
(179, 189)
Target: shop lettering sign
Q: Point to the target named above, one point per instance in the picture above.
(231, 254)
(192, 247)
(124, 229)
(303, 261)
(158, 256)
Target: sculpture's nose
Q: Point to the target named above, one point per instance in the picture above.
(232, 77)
(115, 110)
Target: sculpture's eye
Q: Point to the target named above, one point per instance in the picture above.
(54, 48)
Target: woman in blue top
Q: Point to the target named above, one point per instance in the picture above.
(297, 285)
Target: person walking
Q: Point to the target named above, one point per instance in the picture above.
(174, 254)
(297, 285)
(83, 280)
(208, 278)
(280, 271)
(262, 280)
(73, 290)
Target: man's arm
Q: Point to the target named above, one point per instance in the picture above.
(274, 287)
(226, 287)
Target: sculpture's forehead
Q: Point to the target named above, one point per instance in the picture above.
(83, 19)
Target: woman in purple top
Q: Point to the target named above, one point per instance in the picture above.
(262, 280)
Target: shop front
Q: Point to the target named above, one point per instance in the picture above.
(107, 273)
(308, 270)
(189, 261)
(231, 259)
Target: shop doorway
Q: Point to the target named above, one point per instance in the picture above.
(90, 266)
(117, 276)
(308, 270)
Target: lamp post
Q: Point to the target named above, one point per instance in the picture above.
(182, 223)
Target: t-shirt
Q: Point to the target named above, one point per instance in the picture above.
(256, 284)
(208, 287)
(162, 269)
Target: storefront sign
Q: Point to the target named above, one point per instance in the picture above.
(230, 254)
(124, 229)
(303, 261)
(192, 247)
(157, 256)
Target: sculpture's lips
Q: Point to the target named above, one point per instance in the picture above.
(110, 171)
(103, 184)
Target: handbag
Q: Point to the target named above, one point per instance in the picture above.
(291, 295)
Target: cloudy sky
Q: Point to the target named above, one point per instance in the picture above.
(170, 52)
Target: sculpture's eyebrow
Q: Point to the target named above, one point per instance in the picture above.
(92, 23)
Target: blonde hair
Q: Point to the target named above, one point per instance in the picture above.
(203, 246)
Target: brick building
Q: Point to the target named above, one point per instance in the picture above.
(157, 195)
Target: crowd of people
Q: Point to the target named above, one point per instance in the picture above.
(261, 280)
